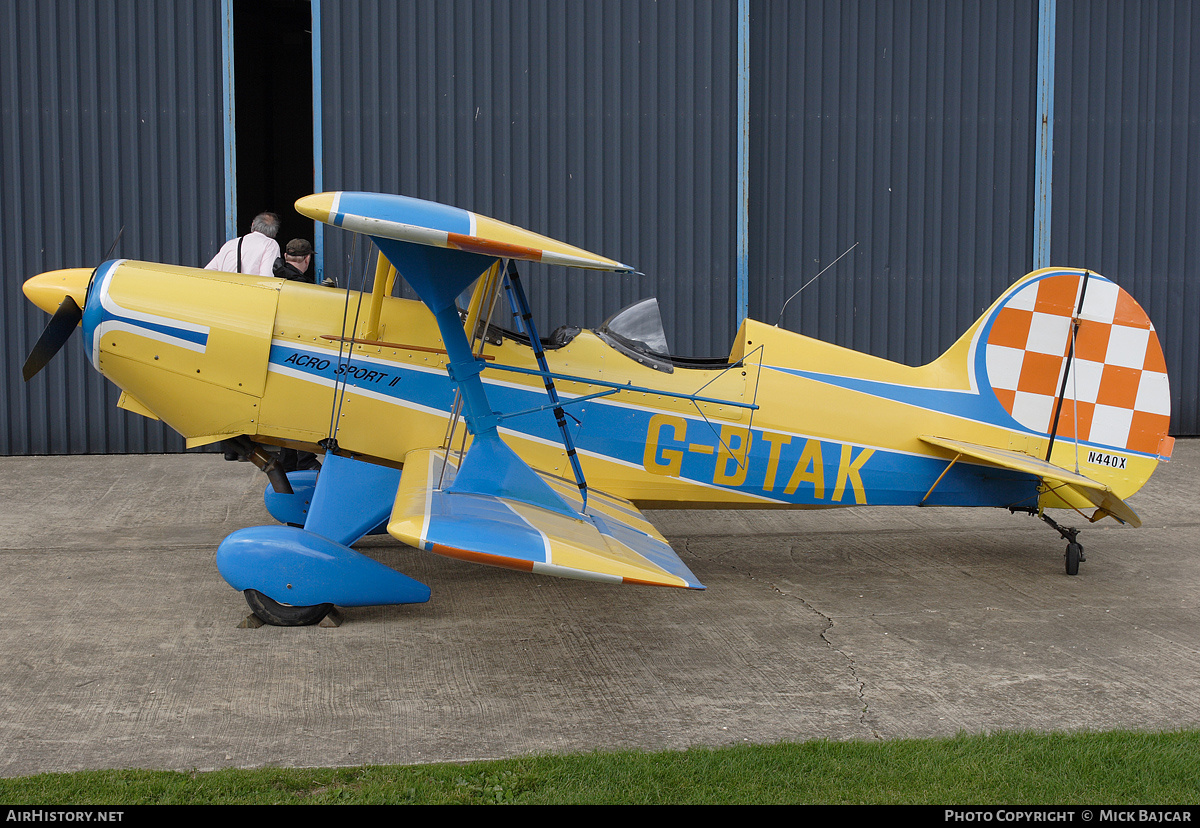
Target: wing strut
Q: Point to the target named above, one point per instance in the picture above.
(520, 308)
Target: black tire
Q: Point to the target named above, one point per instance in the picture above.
(1074, 556)
(283, 615)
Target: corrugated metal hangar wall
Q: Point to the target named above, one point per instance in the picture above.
(730, 150)
(610, 125)
(110, 118)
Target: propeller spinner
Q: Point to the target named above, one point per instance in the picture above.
(62, 293)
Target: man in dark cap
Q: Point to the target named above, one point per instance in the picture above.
(295, 261)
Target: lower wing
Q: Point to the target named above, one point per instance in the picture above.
(607, 539)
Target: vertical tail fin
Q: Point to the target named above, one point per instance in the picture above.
(1071, 356)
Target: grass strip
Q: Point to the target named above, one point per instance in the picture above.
(1115, 768)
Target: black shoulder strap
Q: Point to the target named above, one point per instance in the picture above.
(239, 261)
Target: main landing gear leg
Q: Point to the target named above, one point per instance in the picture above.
(292, 575)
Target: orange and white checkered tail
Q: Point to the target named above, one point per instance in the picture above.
(1071, 355)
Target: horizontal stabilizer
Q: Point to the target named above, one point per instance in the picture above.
(609, 540)
(1056, 477)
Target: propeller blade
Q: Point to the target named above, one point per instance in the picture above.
(56, 334)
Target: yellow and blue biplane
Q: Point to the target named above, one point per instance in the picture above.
(452, 425)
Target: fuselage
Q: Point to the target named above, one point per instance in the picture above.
(803, 423)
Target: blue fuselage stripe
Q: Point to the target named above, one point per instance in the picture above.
(98, 310)
(782, 468)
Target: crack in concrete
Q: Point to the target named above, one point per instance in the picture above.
(859, 684)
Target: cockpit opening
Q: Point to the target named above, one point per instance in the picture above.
(635, 331)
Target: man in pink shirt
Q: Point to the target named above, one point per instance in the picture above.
(254, 253)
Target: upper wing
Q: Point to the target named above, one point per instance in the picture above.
(608, 540)
(414, 220)
(1096, 493)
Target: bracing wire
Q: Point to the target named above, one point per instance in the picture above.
(750, 427)
(1062, 390)
(341, 376)
(1075, 394)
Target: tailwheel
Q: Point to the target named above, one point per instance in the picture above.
(284, 615)
(1074, 556)
(1074, 553)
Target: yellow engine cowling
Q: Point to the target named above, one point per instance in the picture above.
(190, 346)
